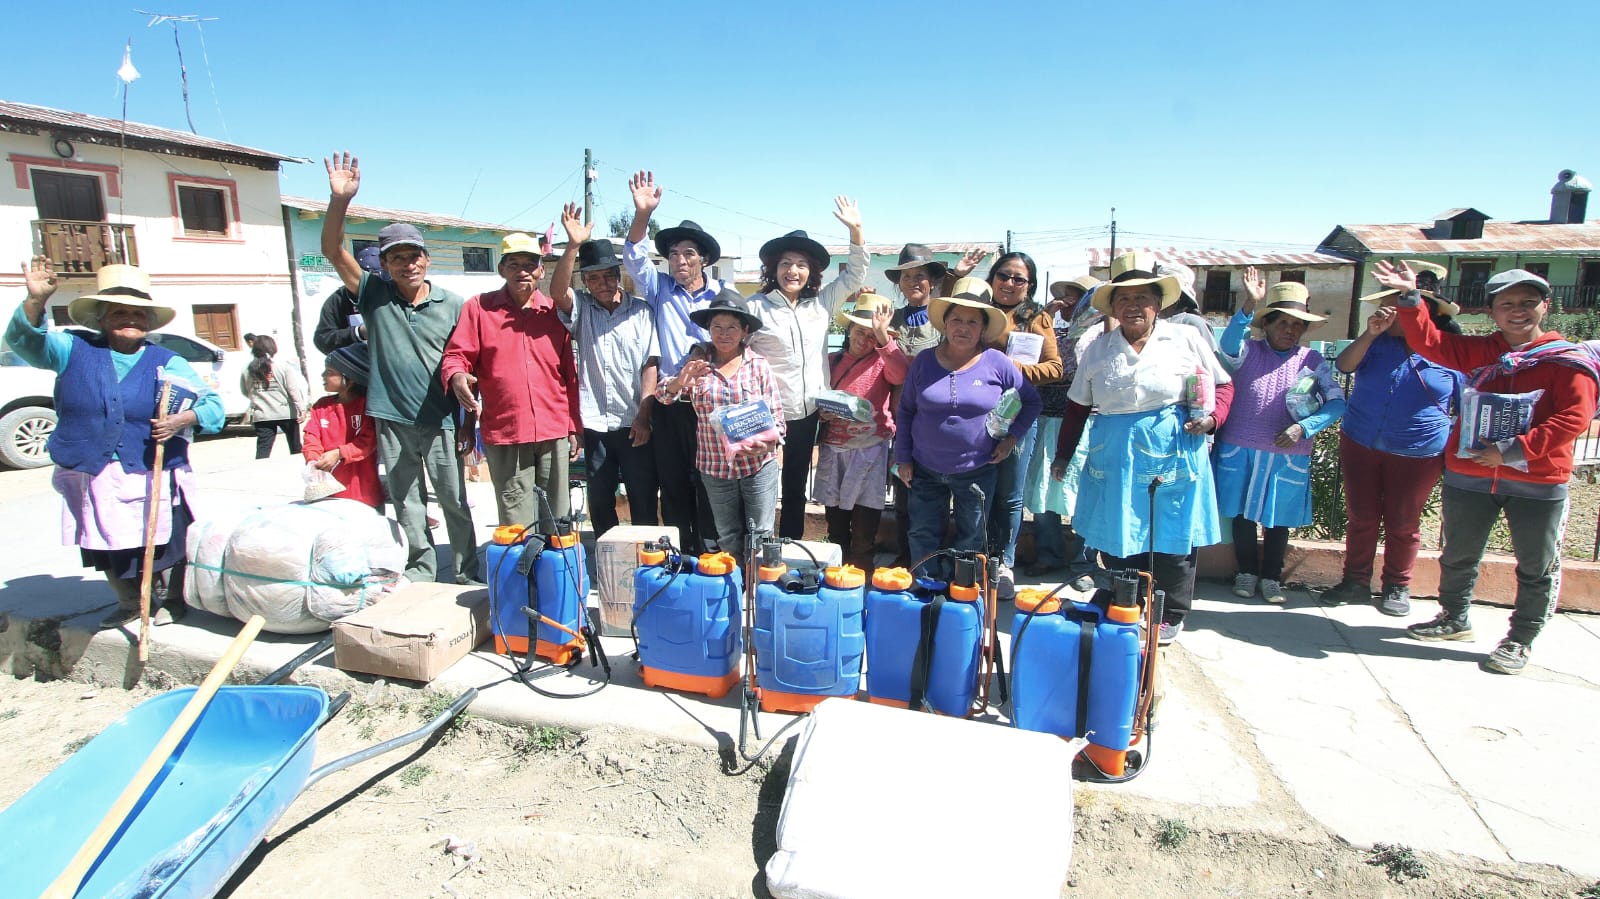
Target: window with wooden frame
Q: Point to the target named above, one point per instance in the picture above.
(1297, 275)
(204, 208)
(218, 324)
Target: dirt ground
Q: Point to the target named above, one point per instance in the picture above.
(547, 812)
(1583, 516)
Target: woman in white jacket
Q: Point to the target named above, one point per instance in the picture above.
(277, 395)
(796, 310)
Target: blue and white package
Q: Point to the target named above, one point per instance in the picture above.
(1490, 418)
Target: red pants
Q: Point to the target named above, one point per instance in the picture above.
(1388, 491)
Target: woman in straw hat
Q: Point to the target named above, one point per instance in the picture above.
(853, 455)
(108, 385)
(1391, 446)
(796, 309)
(1146, 485)
(943, 446)
(1285, 395)
(1029, 341)
(740, 477)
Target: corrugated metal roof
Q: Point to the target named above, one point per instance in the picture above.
(25, 118)
(1100, 257)
(1498, 238)
(893, 249)
(400, 215)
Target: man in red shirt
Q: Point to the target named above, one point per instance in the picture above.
(1523, 475)
(511, 347)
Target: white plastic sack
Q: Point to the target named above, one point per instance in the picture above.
(871, 812)
(303, 566)
(206, 543)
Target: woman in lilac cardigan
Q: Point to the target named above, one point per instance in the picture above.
(1263, 452)
(943, 447)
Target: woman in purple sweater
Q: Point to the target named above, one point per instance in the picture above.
(943, 447)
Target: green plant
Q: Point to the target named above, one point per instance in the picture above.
(433, 705)
(382, 790)
(1172, 833)
(1398, 861)
(1328, 520)
(415, 774)
(76, 745)
(8, 714)
(1592, 891)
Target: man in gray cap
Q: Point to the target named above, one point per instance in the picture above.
(617, 361)
(407, 321)
(1508, 463)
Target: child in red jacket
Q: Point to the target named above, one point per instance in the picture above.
(340, 438)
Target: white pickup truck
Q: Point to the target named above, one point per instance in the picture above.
(27, 404)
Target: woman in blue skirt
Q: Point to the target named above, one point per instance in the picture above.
(1146, 482)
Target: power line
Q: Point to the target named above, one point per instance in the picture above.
(562, 183)
(688, 196)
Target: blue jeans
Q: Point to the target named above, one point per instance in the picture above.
(737, 503)
(1005, 504)
(932, 494)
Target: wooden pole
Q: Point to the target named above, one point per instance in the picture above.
(66, 885)
(152, 513)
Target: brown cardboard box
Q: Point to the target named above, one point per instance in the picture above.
(415, 633)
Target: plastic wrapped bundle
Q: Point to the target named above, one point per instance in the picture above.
(206, 545)
(300, 566)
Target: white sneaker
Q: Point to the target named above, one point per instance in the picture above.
(1272, 592)
(1244, 585)
(1007, 589)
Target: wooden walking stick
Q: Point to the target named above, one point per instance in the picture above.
(152, 513)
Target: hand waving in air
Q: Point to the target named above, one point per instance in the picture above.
(646, 195)
(1255, 289)
(344, 175)
(1402, 278)
(572, 220)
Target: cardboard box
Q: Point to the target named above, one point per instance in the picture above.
(616, 555)
(415, 633)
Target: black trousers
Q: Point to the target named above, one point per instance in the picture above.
(683, 500)
(1264, 559)
(1173, 574)
(613, 458)
(267, 432)
(799, 439)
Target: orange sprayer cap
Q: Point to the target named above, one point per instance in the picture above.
(652, 556)
(564, 541)
(891, 579)
(507, 534)
(961, 593)
(846, 577)
(1034, 601)
(717, 564)
(1123, 614)
(770, 573)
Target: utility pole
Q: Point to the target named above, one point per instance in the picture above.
(1008, 240)
(588, 185)
(1113, 236)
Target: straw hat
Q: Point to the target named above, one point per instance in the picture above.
(861, 312)
(125, 285)
(1084, 283)
(1288, 297)
(1136, 269)
(972, 293)
(1371, 302)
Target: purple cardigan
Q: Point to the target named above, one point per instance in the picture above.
(941, 418)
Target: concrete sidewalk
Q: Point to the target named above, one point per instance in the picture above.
(1370, 735)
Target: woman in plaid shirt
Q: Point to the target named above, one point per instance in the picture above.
(741, 481)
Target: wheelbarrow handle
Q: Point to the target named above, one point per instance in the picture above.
(426, 730)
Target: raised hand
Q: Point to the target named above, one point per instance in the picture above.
(969, 261)
(1255, 289)
(646, 195)
(880, 324)
(846, 211)
(1380, 321)
(344, 175)
(1402, 278)
(572, 220)
(39, 278)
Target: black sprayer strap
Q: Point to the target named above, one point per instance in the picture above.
(1086, 627)
(922, 662)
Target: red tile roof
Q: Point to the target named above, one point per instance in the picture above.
(25, 118)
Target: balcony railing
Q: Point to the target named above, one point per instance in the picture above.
(1218, 301)
(79, 249)
(1571, 297)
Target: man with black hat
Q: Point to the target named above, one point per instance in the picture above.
(340, 324)
(512, 340)
(796, 309)
(686, 289)
(408, 320)
(617, 359)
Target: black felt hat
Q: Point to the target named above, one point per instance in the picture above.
(916, 255)
(729, 302)
(796, 242)
(693, 233)
(595, 255)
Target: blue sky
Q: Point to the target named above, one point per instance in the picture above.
(1223, 122)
